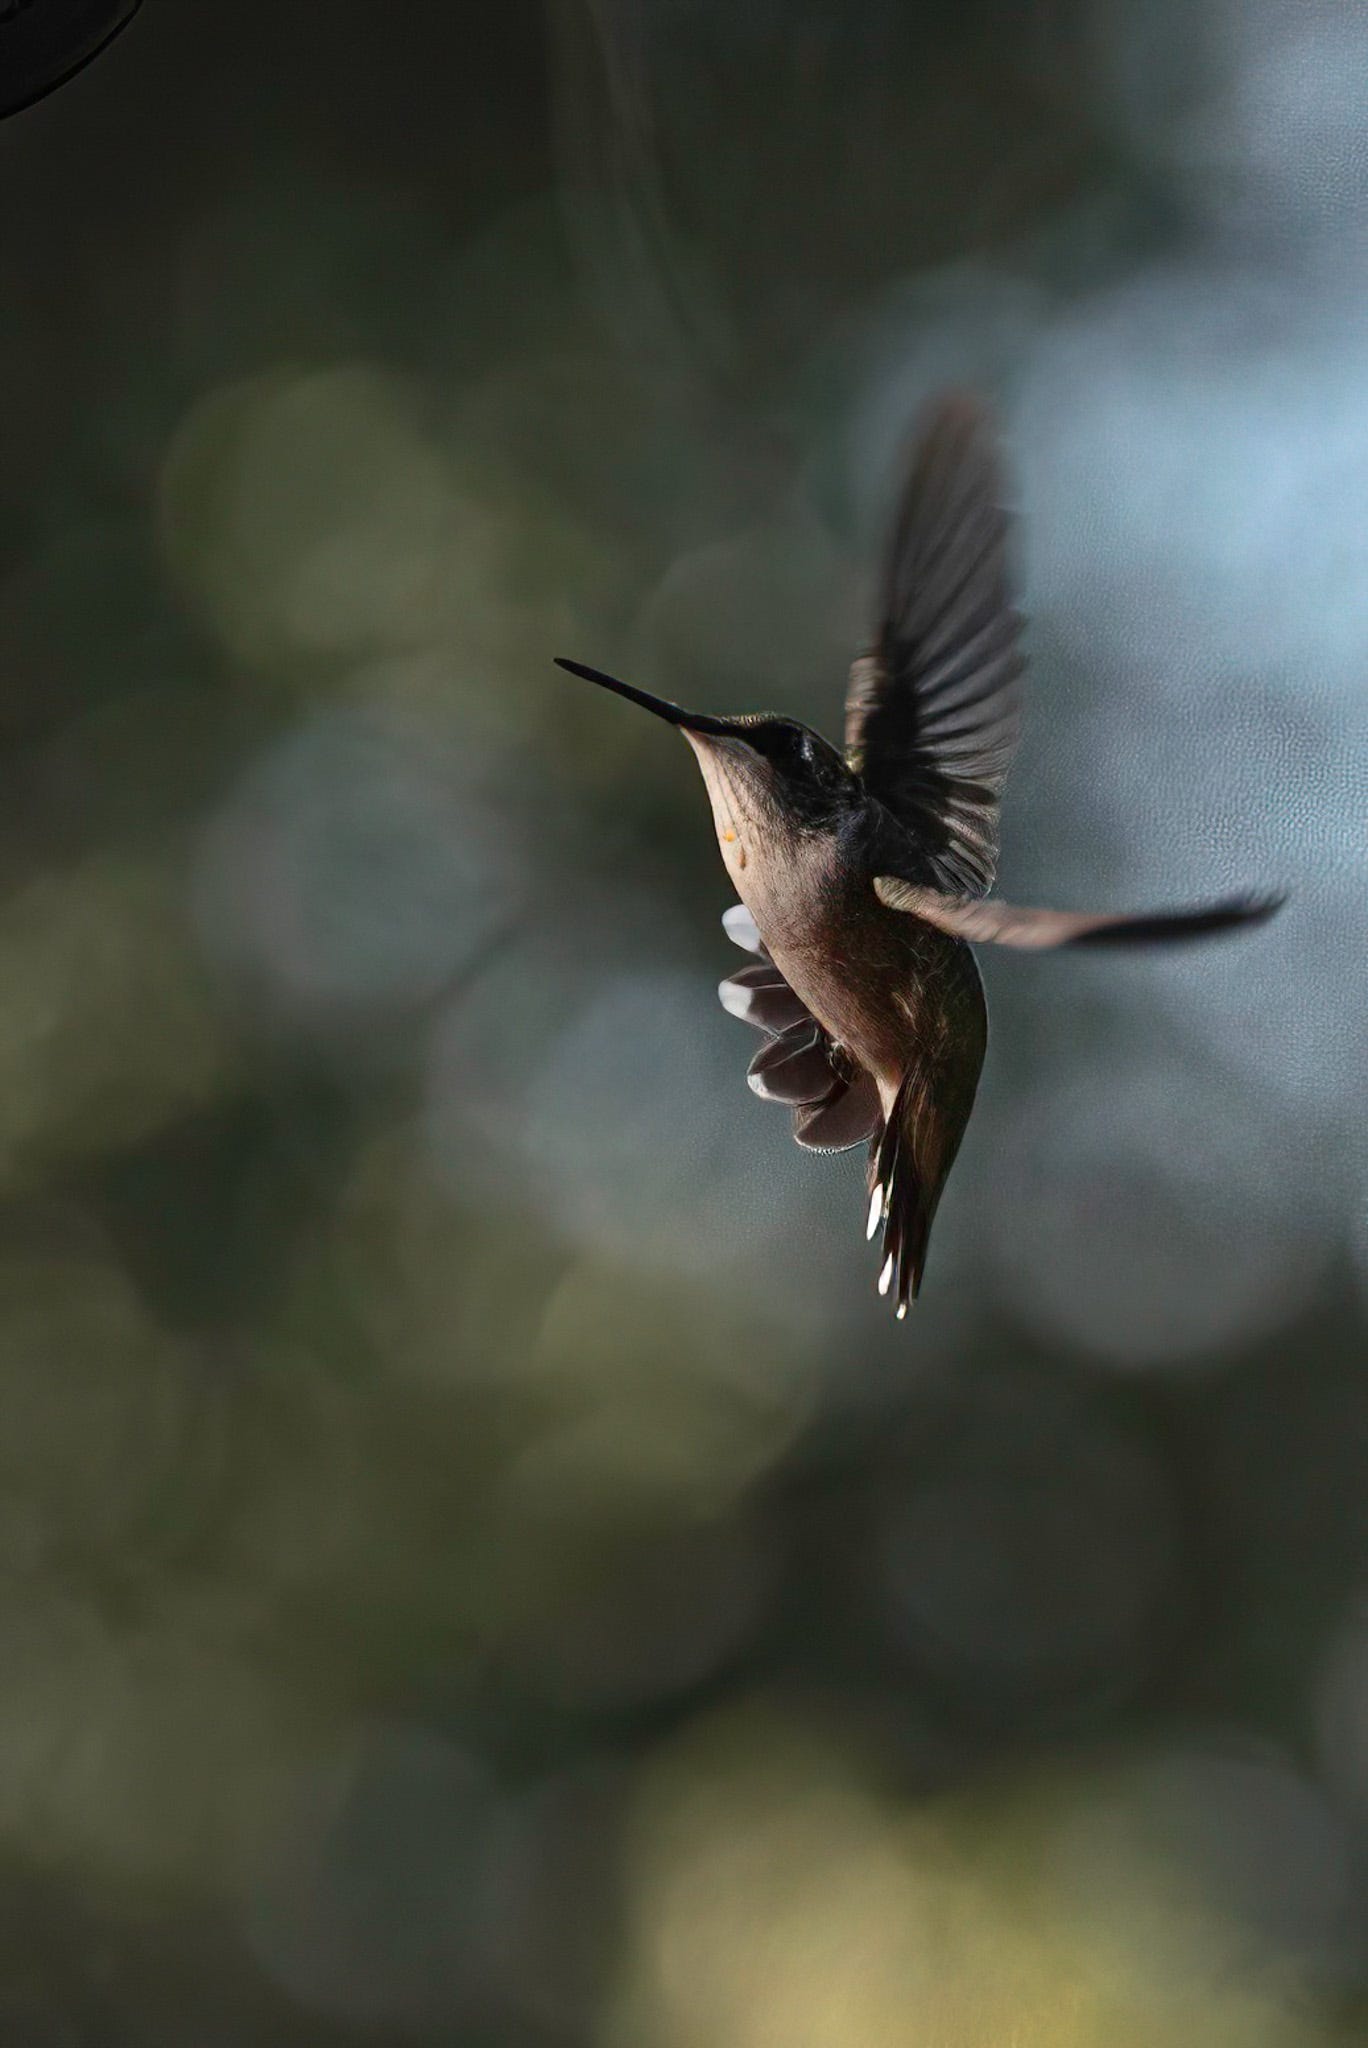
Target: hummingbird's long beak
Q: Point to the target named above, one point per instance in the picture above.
(673, 714)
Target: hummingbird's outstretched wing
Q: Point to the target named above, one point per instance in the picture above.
(835, 1104)
(1004, 924)
(933, 710)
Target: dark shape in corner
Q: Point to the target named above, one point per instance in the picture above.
(43, 43)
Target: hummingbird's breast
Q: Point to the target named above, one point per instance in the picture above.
(883, 984)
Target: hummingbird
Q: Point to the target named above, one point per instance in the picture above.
(864, 874)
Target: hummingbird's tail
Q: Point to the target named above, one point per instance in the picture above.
(900, 1198)
(910, 1159)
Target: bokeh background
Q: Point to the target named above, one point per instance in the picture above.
(477, 1564)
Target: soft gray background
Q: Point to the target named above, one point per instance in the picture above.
(476, 1563)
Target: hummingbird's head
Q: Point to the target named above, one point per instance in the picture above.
(774, 784)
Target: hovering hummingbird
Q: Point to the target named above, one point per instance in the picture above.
(864, 877)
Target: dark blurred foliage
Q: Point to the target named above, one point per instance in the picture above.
(476, 1560)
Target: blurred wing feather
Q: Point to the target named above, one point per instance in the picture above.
(835, 1104)
(933, 712)
(1005, 924)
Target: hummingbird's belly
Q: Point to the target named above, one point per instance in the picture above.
(884, 985)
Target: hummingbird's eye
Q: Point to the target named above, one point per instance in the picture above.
(790, 748)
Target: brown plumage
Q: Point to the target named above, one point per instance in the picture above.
(864, 879)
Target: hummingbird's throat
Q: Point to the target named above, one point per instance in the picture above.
(712, 760)
(728, 838)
